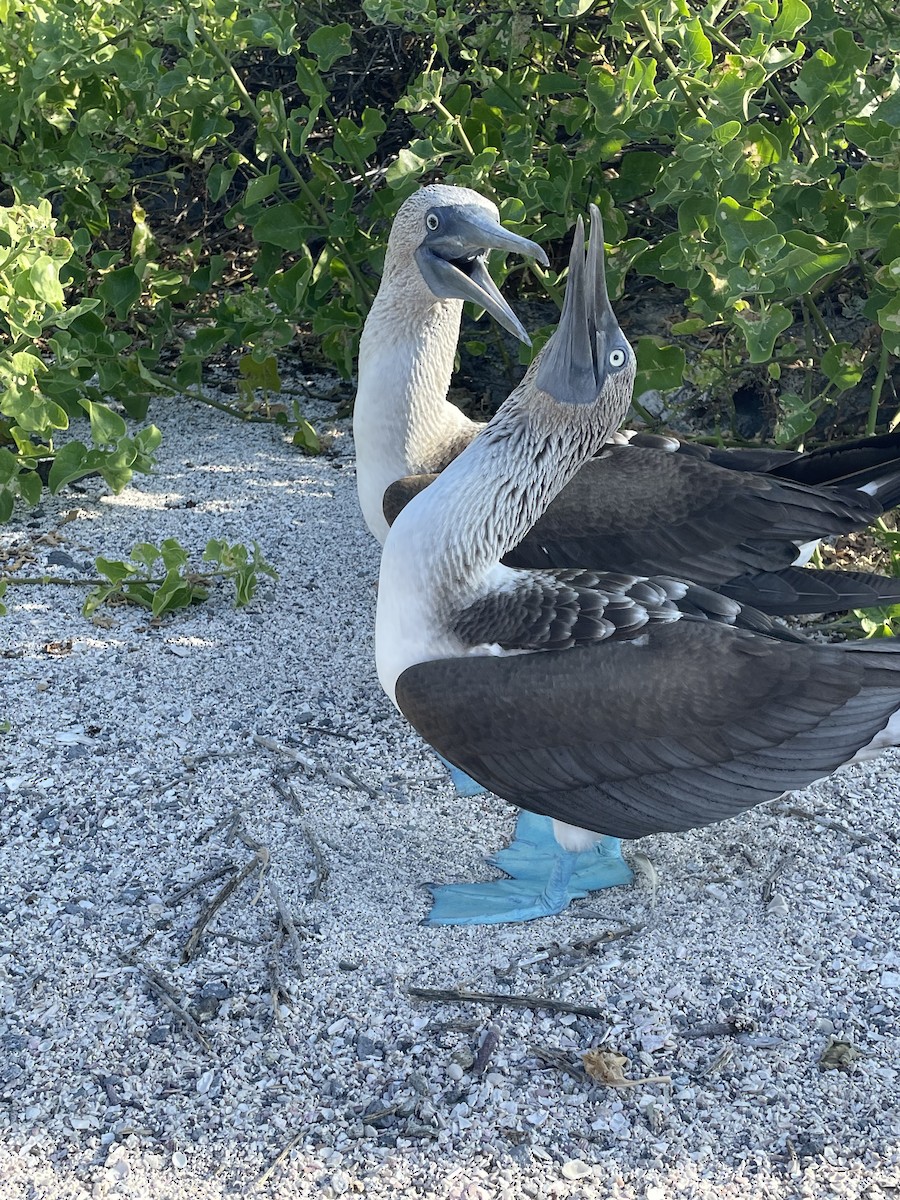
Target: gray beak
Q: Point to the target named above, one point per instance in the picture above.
(588, 345)
(453, 260)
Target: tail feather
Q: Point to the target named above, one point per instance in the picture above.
(801, 590)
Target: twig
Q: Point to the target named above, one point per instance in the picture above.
(286, 919)
(321, 864)
(279, 1159)
(738, 1027)
(209, 877)
(360, 783)
(296, 756)
(210, 909)
(583, 945)
(338, 733)
(278, 993)
(722, 1059)
(795, 810)
(165, 992)
(559, 1060)
(768, 889)
(463, 996)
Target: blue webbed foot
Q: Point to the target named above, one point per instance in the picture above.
(531, 856)
(506, 899)
(463, 783)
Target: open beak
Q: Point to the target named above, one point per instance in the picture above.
(588, 345)
(453, 261)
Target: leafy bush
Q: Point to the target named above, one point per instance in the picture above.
(214, 173)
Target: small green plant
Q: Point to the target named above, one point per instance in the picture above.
(883, 622)
(160, 578)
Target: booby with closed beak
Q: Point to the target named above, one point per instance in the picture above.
(614, 704)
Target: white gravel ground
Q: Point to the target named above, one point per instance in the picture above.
(130, 775)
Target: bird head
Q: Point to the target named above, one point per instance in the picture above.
(449, 233)
(588, 358)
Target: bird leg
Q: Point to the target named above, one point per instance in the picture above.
(531, 856)
(506, 899)
(464, 784)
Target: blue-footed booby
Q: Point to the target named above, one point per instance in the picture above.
(615, 704)
(737, 521)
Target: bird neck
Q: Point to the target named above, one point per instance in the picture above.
(485, 502)
(403, 423)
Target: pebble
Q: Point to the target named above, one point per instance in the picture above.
(575, 1168)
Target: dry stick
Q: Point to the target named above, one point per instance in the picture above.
(209, 877)
(361, 784)
(559, 1060)
(795, 810)
(462, 996)
(296, 756)
(165, 992)
(210, 909)
(768, 889)
(279, 1159)
(278, 993)
(584, 945)
(322, 869)
(286, 919)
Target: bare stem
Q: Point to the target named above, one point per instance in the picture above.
(877, 389)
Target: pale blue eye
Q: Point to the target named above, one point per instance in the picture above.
(617, 358)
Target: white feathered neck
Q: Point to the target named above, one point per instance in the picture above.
(403, 423)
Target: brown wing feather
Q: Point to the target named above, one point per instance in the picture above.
(692, 724)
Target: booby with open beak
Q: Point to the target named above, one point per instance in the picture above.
(735, 521)
(615, 704)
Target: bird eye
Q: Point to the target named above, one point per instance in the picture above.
(432, 221)
(617, 358)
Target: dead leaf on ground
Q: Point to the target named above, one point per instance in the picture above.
(838, 1055)
(58, 649)
(608, 1067)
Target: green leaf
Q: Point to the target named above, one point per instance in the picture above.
(659, 368)
(306, 438)
(793, 16)
(403, 167)
(173, 593)
(30, 487)
(283, 225)
(114, 569)
(106, 426)
(741, 228)
(761, 328)
(796, 419)
(121, 290)
(806, 260)
(842, 363)
(695, 45)
(44, 279)
(889, 315)
(262, 188)
(329, 43)
(71, 462)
